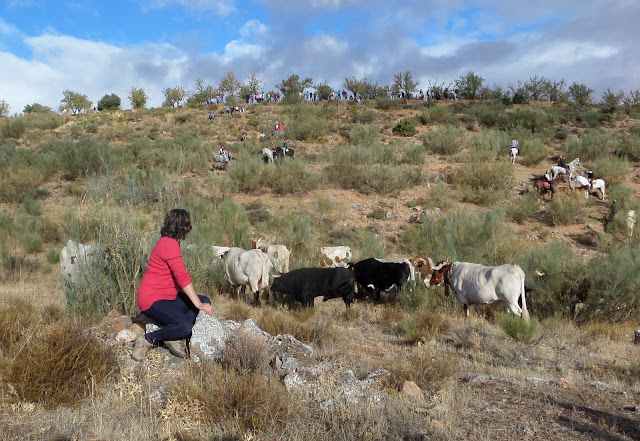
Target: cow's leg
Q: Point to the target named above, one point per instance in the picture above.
(256, 298)
(478, 308)
(466, 311)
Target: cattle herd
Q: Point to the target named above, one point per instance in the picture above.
(336, 275)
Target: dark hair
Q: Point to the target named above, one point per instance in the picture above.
(177, 224)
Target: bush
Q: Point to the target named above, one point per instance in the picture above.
(613, 170)
(556, 275)
(13, 127)
(406, 127)
(490, 115)
(566, 210)
(60, 366)
(31, 242)
(591, 145)
(81, 158)
(613, 295)
(364, 135)
(109, 102)
(364, 116)
(490, 144)
(247, 351)
(516, 328)
(92, 128)
(530, 119)
(444, 140)
(533, 152)
(424, 325)
(630, 148)
(591, 119)
(307, 125)
(523, 208)
(437, 115)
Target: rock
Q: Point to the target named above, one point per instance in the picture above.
(349, 387)
(600, 385)
(113, 323)
(480, 378)
(208, 338)
(293, 381)
(411, 389)
(126, 336)
(630, 408)
(329, 405)
(437, 178)
(539, 381)
(565, 383)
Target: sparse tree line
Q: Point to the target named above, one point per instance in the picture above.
(470, 86)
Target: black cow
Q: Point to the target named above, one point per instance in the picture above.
(380, 275)
(305, 284)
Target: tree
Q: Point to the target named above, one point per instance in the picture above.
(357, 87)
(491, 93)
(404, 81)
(293, 87)
(109, 102)
(230, 86)
(580, 93)
(137, 98)
(203, 92)
(611, 101)
(4, 108)
(519, 94)
(75, 102)
(36, 108)
(173, 96)
(469, 85)
(324, 90)
(535, 87)
(554, 90)
(632, 99)
(253, 83)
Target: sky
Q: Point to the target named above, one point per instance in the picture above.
(97, 47)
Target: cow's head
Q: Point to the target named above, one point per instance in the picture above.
(425, 267)
(441, 273)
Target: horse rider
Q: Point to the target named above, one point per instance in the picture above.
(590, 177)
(548, 180)
(514, 144)
(285, 148)
(561, 162)
(223, 153)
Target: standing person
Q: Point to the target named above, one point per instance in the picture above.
(282, 128)
(276, 127)
(514, 143)
(166, 293)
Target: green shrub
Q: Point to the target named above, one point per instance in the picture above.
(307, 124)
(613, 170)
(31, 207)
(613, 293)
(482, 175)
(364, 116)
(16, 185)
(424, 325)
(406, 127)
(591, 145)
(533, 120)
(516, 328)
(80, 158)
(92, 128)
(566, 210)
(53, 256)
(13, 127)
(630, 147)
(490, 144)
(444, 140)
(387, 104)
(364, 135)
(60, 366)
(523, 208)
(490, 115)
(385, 179)
(248, 174)
(31, 242)
(437, 115)
(533, 151)
(591, 119)
(290, 177)
(43, 121)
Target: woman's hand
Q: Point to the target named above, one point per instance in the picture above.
(206, 307)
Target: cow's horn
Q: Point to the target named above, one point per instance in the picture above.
(539, 273)
(275, 276)
(436, 267)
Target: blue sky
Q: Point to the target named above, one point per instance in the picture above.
(97, 47)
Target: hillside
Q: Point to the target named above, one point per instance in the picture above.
(447, 191)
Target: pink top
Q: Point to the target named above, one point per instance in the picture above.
(165, 274)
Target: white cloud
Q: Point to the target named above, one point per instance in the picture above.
(222, 7)
(253, 28)
(237, 49)
(327, 44)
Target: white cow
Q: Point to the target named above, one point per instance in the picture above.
(279, 254)
(77, 258)
(333, 256)
(478, 285)
(248, 268)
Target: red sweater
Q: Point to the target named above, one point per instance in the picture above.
(165, 274)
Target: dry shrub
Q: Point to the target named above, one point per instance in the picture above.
(424, 366)
(18, 319)
(247, 351)
(239, 311)
(245, 402)
(60, 366)
(516, 328)
(424, 325)
(302, 323)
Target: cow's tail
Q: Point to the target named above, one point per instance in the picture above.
(525, 312)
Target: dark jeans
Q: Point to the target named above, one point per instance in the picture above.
(176, 317)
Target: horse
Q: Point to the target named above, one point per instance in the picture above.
(595, 184)
(543, 187)
(280, 153)
(513, 153)
(221, 162)
(267, 155)
(571, 168)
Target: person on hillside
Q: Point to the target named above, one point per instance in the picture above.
(547, 178)
(166, 294)
(514, 144)
(562, 161)
(285, 147)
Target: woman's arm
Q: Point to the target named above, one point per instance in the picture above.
(190, 291)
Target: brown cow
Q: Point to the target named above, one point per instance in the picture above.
(425, 268)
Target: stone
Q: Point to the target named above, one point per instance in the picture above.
(208, 338)
(126, 336)
(113, 323)
(411, 389)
